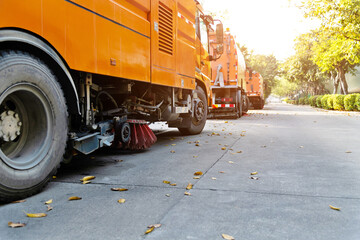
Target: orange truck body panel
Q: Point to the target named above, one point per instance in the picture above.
(232, 62)
(142, 40)
(255, 89)
(228, 79)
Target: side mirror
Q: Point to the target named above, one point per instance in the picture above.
(219, 33)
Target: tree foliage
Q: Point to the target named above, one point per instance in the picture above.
(337, 41)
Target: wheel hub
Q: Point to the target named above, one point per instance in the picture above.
(199, 110)
(10, 126)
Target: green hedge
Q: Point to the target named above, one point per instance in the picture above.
(357, 102)
(330, 102)
(324, 101)
(318, 101)
(349, 102)
(338, 102)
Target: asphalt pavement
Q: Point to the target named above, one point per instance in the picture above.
(303, 160)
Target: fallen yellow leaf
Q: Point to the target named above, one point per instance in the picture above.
(121, 200)
(149, 230)
(197, 141)
(166, 182)
(223, 148)
(35, 215)
(87, 178)
(16, 225)
(74, 198)
(86, 182)
(168, 195)
(189, 186)
(239, 151)
(348, 152)
(119, 189)
(198, 173)
(49, 201)
(196, 177)
(231, 162)
(253, 173)
(172, 151)
(334, 208)
(227, 237)
(198, 145)
(213, 178)
(173, 184)
(54, 177)
(49, 208)
(173, 144)
(187, 194)
(221, 172)
(226, 122)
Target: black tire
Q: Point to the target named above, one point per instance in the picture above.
(246, 104)
(29, 91)
(197, 122)
(239, 103)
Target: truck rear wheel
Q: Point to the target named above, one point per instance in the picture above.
(200, 115)
(239, 103)
(33, 125)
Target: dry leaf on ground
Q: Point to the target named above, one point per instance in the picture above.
(87, 178)
(221, 172)
(187, 194)
(231, 162)
(121, 200)
(149, 230)
(334, 208)
(223, 148)
(348, 152)
(86, 182)
(168, 195)
(166, 182)
(16, 225)
(173, 144)
(196, 177)
(198, 145)
(49, 208)
(74, 198)
(189, 186)
(254, 178)
(119, 160)
(173, 184)
(253, 173)
(213, 178)
(172, 151)
(119, 189)
(49, 201)
(227, 237)
(35, 215)
(198, 173)
(154, 225)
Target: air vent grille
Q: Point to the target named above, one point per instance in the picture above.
(165, 29)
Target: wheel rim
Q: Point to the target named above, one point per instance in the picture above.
(25, 145)
(199, 111)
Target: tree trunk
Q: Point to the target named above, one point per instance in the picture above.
(335, 80)
(342, 79)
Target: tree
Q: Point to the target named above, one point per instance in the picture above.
(337, 41)
(301, 69)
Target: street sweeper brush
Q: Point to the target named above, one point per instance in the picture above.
(134, 135)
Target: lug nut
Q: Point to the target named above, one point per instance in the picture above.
(19, 124)
(17, 133)
(16, 115)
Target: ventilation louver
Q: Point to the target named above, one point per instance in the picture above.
(165, 29)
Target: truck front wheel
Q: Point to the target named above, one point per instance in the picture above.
(198, 120)
(33, 125)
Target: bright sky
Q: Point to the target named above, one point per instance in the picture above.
(266, 26)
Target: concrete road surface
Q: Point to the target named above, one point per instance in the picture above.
(306, 159)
